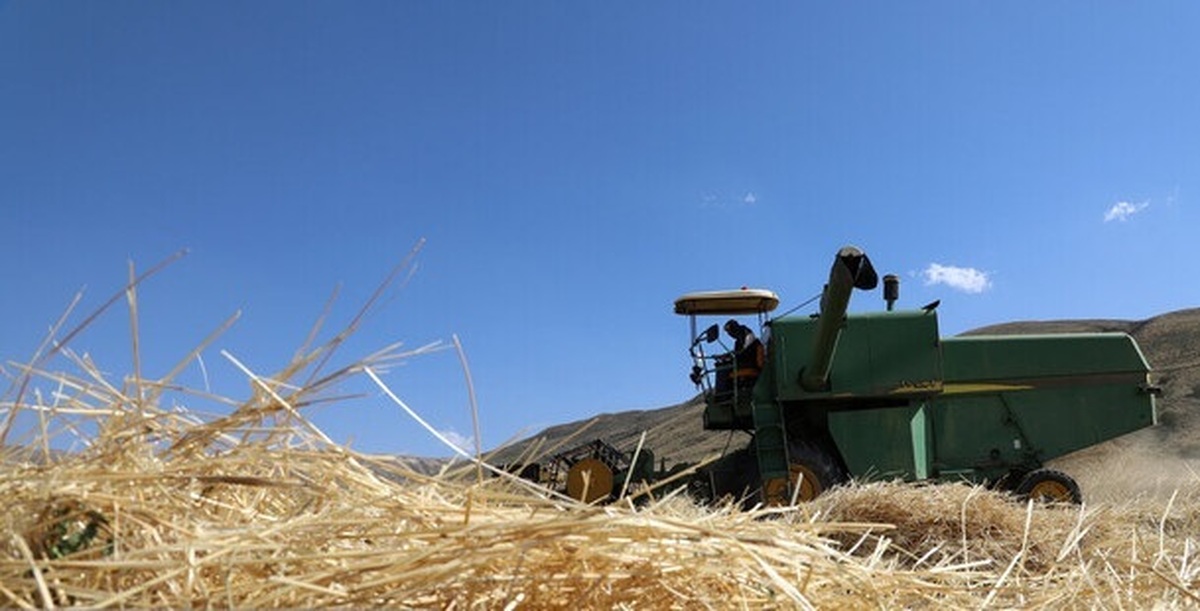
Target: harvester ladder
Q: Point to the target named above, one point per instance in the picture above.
(771, 447)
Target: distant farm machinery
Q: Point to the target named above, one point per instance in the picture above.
(591, 472)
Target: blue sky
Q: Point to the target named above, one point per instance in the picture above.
(574, 167)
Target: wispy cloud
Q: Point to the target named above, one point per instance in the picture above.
(1121, 211)
(727, 200)
(965, 279)
(463, 442)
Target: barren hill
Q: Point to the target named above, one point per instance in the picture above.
(1170, 343)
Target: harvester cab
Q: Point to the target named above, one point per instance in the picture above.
(727, 373)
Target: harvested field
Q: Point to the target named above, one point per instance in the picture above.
(210, 521)
(154, 505)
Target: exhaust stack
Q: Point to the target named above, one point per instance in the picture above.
(891, 290)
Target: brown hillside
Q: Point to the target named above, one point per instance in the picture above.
(1169, 343)
(674, 433)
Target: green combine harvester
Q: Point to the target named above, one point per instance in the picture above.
(881, 395)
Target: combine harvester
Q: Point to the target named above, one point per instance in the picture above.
(835, 396)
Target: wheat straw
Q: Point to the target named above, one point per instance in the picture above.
(257, 507)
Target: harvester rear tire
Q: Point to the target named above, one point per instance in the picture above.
(1049, 486)
(1009, 481)
(812, 468)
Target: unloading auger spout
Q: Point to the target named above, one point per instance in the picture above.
(851, 269)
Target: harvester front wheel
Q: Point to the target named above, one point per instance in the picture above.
(1049, 486)
(811, 471)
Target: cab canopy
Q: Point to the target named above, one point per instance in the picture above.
(732, 303)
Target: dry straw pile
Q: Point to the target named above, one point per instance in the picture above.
(159, 506)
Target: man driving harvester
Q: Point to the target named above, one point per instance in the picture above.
(748, 356)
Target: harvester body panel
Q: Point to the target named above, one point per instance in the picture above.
(883, 443)
(877, 355)
(1050, 395)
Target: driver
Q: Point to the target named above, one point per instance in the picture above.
(748, 353)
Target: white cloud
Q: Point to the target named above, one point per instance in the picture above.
(1121, 211)
(465, 443)
(965, 279)
(728, 199)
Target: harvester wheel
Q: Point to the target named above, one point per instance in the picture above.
(589, 480)
(1049, 486)
(1009, 481)
(813, 469)
(532, 472)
